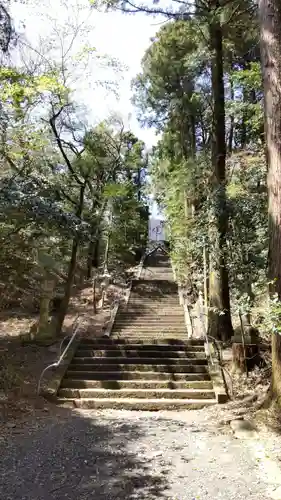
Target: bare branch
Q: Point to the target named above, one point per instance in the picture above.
(59, 142)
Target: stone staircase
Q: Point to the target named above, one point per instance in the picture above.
(148, 363)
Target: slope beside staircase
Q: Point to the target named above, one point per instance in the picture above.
(148, 363)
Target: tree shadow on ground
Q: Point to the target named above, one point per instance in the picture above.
(75, 455)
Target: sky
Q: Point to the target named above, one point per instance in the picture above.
(121, 36)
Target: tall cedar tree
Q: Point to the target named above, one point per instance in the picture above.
(220, 325)
(270, 20)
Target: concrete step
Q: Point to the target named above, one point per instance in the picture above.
(137, 404)
(134, 353)
(136, 393)
(133, 360)
(144, 367)
(74, 383)
(136, 375)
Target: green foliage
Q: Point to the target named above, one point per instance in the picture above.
(174, 93)
(60, 179)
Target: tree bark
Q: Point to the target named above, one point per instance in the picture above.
(239, 363)
(59, 319)
(220, 325)
(231, 124)
(270, 21)
(42, 330)
(93, 256)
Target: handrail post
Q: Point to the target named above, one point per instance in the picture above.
(62, 355)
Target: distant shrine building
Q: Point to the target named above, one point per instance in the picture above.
(156, 230)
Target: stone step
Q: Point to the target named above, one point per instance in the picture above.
(148, 317)
(163, 308)
(153, 295)
(137, 404)
(140, 323)
(136, 375)
(74, 383)
(89, 360)
(144, 296)
(168, 342)
(150, 314)
(155, 328)
(158, 300)
(151, 310)
(150, 329)
(153, 306)
(158, 335)
(148, 363)
(107, 367)
(133, 353)
(149, 333)
(138, 338)
(125, 348)
(136, 393)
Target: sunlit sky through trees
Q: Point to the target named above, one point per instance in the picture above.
(122, 37)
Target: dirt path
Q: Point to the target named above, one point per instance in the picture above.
(128, 455)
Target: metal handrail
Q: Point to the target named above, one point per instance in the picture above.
(114, 303)
(201, 314)
(62, 354)
(205, 333)
(184, 304)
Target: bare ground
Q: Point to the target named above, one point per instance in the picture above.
(54, 453)
(73, 454)
(21, 364)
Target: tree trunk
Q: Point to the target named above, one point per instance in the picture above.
(90, 259)
(239, 363)
(270, 19)
(59, 319)
(231, 124)
(42, 330)
(93, 257)
(220, 325)
(243, 139)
